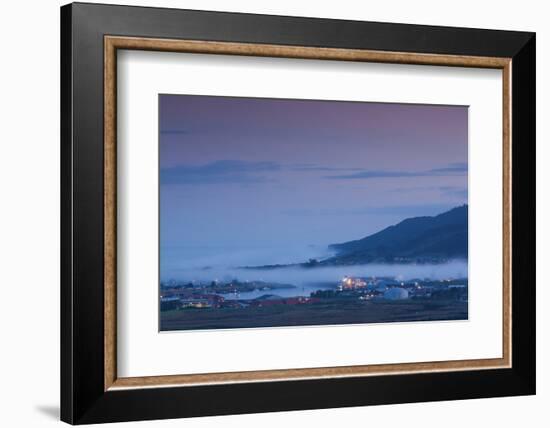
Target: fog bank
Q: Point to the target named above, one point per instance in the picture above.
(300, 276)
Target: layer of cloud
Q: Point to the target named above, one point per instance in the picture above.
(449, 170)
(452, 168)
(175, 132)
(404, 211)
(223, 171)
(237, 171)
(315, 167)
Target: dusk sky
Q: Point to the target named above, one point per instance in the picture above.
(245, 172)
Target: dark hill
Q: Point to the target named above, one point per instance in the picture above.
(419, 239)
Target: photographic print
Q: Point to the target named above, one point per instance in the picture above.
(290, 212)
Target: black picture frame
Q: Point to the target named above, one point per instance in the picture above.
(83, 396)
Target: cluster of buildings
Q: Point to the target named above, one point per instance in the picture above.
(350, 283)
(374, 288)
(391, 289)
(198, 301)
(205, 301)
(349, 288)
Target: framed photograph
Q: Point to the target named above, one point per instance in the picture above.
(266, 213)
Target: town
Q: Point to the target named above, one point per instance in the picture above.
(214, 295)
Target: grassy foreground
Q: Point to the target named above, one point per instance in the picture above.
(323, 313)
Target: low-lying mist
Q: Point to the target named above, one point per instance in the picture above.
(300, 276)
(225, 263)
